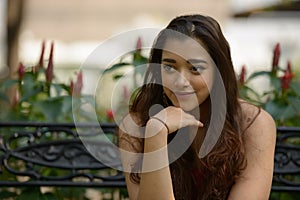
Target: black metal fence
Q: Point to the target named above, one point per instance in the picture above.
(64, 154)
(85, 155)
(287, 160)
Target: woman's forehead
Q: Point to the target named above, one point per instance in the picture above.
(185, 48)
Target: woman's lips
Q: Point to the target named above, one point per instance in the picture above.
(184, 95)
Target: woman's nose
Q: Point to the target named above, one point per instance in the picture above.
(181, 80)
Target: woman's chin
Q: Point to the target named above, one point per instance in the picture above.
(187, 107)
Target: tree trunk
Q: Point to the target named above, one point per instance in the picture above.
(14, 9)
(14, 19)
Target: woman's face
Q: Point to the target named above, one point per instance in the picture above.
(187, 73)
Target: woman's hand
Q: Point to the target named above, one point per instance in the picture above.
(175, 118)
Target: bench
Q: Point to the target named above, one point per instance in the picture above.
(41, 148)
(55, 154)
(287, 160)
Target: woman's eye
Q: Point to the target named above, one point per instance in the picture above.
(197, 69)
(168, 68)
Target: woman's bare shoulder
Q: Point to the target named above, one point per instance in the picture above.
(259, 140)
(259, 124)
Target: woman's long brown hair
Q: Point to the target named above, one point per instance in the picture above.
(210, 177)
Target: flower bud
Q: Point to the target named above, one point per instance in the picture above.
(276, 55)
(41, 64)
(110, 115)
(289, 67)
(71, 87)
(242, 75)
(286, 78)
(49, 70)
(21, 71)
(139, 44)
(78, 85)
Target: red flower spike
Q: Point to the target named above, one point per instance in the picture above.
(41, 64)
(49, 70)
(110, 115)
(139, 44)
(242, 75)
(78, 85)
(276, 55)
(71, 87)
(286, 79)
(21, 71)
(289, 67)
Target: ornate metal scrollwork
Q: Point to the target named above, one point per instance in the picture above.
(55, 154)
(45, 154)
(287, 160)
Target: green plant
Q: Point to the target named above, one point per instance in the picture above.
(135, 61)
(39, 97)
(281, 97)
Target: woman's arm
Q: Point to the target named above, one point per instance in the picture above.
(255, 181)
(156, 182)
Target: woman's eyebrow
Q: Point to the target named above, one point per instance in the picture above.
(189, 61)
(169, 60)
(193, 61)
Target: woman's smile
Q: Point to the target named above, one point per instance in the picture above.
(184, 95)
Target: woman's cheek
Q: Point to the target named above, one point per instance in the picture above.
(168, 81)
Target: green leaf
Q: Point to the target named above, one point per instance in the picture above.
(289, 196)
(4, 194)
(33, 193)
(295, 102)
(274, 109)
(66, 104)
(28, 81)
(4, 97)
(116, 66)
(117, 76)
(8, 83)
(89, 99)
(71, 192)
(29, 193)
(48, 196)
(252, 92)
(138, 60)
(59, 88)
(296, 87)
(30, 87)
(79, 105)
(51, 108)
(276, 83)
(30, 93)
(288, 113)
(257, 74)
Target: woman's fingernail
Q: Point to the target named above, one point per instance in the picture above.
(201, 124)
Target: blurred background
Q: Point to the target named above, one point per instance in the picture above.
(252, 27)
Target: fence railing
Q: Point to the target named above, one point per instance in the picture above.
(85, 155)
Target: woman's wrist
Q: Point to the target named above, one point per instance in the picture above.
(155, 135)
(161, 121)
(155, 127)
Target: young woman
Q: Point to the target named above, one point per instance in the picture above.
(188, 135)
